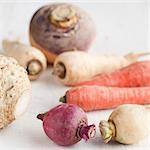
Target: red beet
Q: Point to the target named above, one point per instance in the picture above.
(66, 124)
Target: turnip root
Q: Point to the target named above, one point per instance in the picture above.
(61, 27)
(32, 59)
(15, 90)
(127, 124)
(66, 124)
(75, 67)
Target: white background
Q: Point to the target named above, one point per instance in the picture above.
(122, 27)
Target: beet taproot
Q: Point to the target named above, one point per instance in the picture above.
(66, 124)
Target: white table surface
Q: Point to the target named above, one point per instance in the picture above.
(122, 27)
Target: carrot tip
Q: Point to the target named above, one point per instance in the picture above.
(63, 99)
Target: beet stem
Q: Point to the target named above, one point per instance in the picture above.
(63, 99)
(87, 132)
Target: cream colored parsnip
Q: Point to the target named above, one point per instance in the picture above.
(29, 57)
(127, 124)
(74, 67)
(15, 90)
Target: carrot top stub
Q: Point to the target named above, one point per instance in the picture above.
(63, 99)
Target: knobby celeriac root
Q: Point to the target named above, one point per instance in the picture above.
(15, 90)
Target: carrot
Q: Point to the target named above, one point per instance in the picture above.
(98, 97)
(74, 67)
(134, 75)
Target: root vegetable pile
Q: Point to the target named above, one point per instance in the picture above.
(32, 59)
(64, 32)
(127, 124)
(60, 27)
(66, 124)
(15, 90)
(134, 75)
(91, 98)
(73, 67)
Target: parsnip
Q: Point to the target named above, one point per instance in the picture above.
(15, 90)
(127, 124)
(29, 57)
(75, 67)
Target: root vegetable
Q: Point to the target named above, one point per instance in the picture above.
(15, 90)
(74, 67)
(127, 124)
(32, 59)
(66, 124)
(61, 27)
(91, 98)
(134, 75)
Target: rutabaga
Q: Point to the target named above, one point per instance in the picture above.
(61, 27)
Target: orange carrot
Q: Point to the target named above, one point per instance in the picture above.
(98, 97)
(134, 75)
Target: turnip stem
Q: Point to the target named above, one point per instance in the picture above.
(87, 132)
(107, 130)
(64, 17)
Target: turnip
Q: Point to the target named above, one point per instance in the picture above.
(67, 124)
(32, 59)
(127, 124)
(60, 27)
(15, 90)
(73, 67)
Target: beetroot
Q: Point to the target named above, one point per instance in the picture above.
(66, 124)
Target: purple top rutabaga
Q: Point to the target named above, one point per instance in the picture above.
(56, 28)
